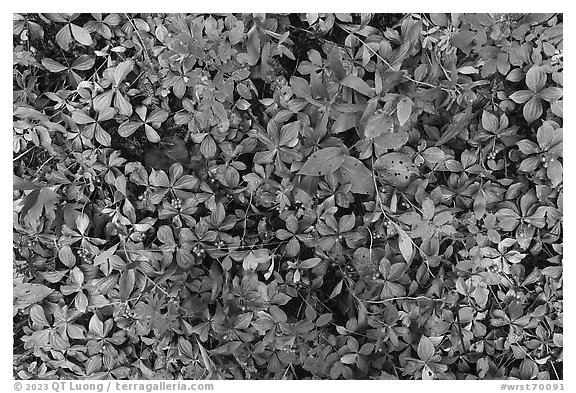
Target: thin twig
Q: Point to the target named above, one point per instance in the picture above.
(144, 50)
(23, 154)
(390, 66)
(246, 217)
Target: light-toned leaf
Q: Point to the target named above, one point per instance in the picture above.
(532, 109)
(323, 161)
(358, 84)
(81, 34)
(349, 358)
(66, 256)
(490, 122)
(425, 349)
(536, 78)
(521, 96)
(26, 294)
(405, 245)
(353, 171)
(53, 66)
(255, 258)
(404, 110)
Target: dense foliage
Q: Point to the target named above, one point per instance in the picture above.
(256, 196)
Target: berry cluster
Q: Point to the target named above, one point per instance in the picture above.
(85, 255)
(289, 349)
(546, 161)
(176, 203)
(347, 270)
(199, 251)
(492, 155)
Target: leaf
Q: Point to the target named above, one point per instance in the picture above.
(66, 256)
(454, 129)
(427, 373)
(102, 136)
(349, 358)
(122, 70)
(439, 19)
(159, 115)
(480, 295)
(353, 171)
(323, 161)
(479, 205)
(396, 168)
(490, 122)
(344, 122)
(151, 134)
(334, 62)
(185, 348)
(309, 263)
(83, 63)
(255, 258)
(536, 78)
(551, 94)
(554, 173)
(548, 137)
(378, 124)
(81, 34)
(226, 349)
(515, 75)
(128, 127)
(39, 202)
(96, 326)
(253, 46)
(358, 84)
(63, 37)
(521, 96)
(337, 289)
(80, 117)
(404, 110)
(300, 87)
(425, 349)
(532, 109)
(26, 294)
(405, 245)
(53, 66)
(22, 184)
(324, 319)
(126, 284)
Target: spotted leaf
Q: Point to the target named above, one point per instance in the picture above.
(396, 168)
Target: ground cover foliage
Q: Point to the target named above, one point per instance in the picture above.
(287, 196)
